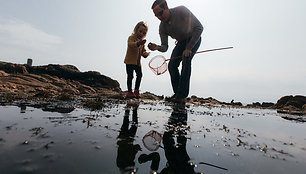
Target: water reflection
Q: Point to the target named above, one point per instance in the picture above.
(175, 152)
(154, 157)
(127, 150)
(37, 142)
(23, 108)
(48, 106)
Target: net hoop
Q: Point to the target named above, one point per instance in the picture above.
(158, 64)
(151, 140)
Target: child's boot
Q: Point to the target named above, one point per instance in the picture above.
(130, 94)
(137, 94)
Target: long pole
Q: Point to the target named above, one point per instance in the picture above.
(216, 49)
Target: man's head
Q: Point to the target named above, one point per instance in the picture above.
(161, 10)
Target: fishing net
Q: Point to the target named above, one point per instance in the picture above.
(152, 140)
(158, 65)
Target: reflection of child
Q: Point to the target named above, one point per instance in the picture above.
(127, 150)
(135, 50)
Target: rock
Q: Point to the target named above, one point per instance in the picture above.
(2, 73)
(13, 68)
(291, 104)
(235, 103)
(61, 81)
(256, 104)
(70, 72)
(296, 101)
(260, 105)
(151, 96)
(267, 104)
(194, 99)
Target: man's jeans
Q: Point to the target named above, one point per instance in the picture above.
(181, 81)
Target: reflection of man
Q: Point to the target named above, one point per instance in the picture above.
(182, 25)
(176, 154)
(126, 149)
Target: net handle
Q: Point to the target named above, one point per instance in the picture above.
(216, 49)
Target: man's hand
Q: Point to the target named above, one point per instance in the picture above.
(141, 42)
(153, 46)
(187, 52)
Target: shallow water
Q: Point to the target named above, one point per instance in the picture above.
(194, 139)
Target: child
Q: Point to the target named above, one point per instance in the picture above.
(135, 50)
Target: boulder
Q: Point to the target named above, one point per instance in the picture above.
(70, 72)
(53, 80)
(13, 68)
(291, 104)
(296, 101)
(267, 104)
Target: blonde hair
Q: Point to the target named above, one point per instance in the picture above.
(141, 23)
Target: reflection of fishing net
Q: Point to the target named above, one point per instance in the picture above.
(158, 65)
(152, 140)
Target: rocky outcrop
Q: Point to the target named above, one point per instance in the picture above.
(291, 104)
(23, 81)
(13, 68)
(261, 105)
(199, 100)
(66, 82)
(70, 72)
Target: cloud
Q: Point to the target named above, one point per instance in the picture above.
(23, 35)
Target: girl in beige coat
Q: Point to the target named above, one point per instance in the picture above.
(135, 50)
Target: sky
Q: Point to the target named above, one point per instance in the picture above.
(268, 60)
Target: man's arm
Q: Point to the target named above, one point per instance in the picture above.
(196, 29)
(163, 38)
(164, 41)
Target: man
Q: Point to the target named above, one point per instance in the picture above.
(178, 160)
(182, 25)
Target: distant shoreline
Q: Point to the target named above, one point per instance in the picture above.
(66, 82)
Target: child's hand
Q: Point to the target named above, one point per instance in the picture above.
(146, 54)
(141, 42)
(153, 46)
